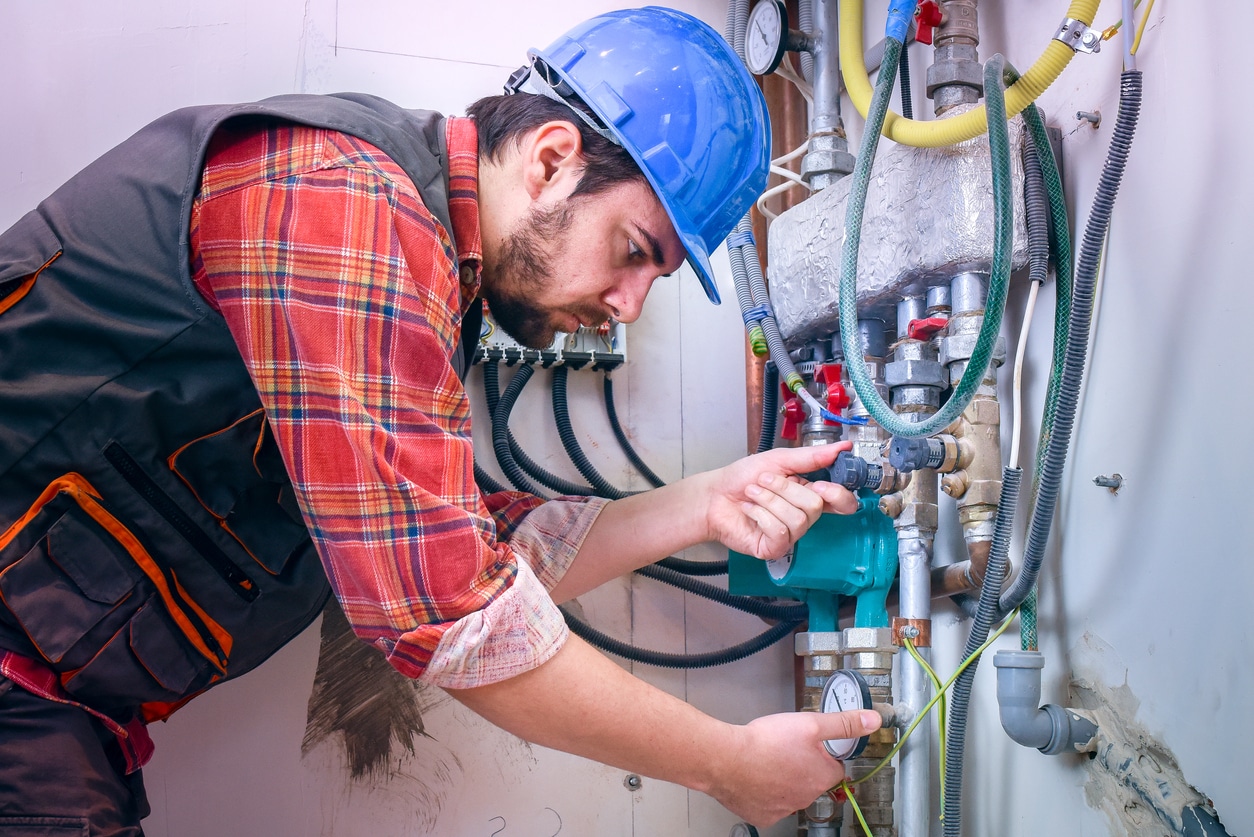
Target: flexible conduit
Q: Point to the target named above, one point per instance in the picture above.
(623, 442)
(751, 292)
(566, 432)
(971, 124)
(1003, 230)
(486, 482)
(770, 408)
(1055, 458)
(960, 701)
(1038, 204)
(519, 468)
(561, 414)
(1053, 461)
(682, 661)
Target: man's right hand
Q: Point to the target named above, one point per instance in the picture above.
(780, 764)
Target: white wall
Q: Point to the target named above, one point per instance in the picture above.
(1146, 588)
(83, 76)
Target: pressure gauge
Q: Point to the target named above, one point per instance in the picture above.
(766, 37)
(845, 690)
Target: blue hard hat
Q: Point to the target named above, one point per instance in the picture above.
(674, 93)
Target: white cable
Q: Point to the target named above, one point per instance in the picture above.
(792, 155)
(1017, 391)
(786, 71)
(788, 174)
(772, 192)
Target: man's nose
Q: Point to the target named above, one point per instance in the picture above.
(627, 297)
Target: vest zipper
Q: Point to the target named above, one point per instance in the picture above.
(181, 521)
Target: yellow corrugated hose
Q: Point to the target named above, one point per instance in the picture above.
(941, 132)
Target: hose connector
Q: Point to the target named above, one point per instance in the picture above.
(1051, 729)
(906, 454)
(854, 472)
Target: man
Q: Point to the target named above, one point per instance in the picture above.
(231, 358)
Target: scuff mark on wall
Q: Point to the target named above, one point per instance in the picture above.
(359, 696)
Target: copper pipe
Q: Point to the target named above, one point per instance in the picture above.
(787, 110)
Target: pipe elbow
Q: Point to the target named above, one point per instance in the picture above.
(1051, 729)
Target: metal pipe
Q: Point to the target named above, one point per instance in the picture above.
(827, 159)
(914, 690)
(826, 113)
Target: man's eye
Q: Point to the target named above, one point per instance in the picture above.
(633, 251)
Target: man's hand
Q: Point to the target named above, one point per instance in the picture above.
(781, 765)
(758, 506)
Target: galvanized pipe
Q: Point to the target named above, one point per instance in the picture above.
(827, 159)
(826, 113)
(914, 690)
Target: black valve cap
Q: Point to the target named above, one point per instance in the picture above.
(908, 454)
(849, 470)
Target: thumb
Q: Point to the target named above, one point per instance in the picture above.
(852, 724)
(811, 457)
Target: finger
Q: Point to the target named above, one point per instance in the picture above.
(795, 514)
(776, 531)
(810, 458)
(798, 494)
(836, 498)
(853, 724)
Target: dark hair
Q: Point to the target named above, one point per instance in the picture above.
(505, 120)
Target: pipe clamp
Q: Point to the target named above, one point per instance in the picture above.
(1079, 36)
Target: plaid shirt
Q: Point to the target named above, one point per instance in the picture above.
(345, 296)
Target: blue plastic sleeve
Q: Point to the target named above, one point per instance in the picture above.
(740, 239)
(756, 314)
(900, 13)
(830, 416)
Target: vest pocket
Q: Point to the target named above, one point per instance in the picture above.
(65, 586)
(116, 625)
(237, 474)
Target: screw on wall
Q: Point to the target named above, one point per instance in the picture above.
(1093, 117)
(632, 782)
(1114, 482)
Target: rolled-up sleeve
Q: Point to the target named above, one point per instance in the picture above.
(342, 292)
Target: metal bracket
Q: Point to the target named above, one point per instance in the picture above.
(1079, 36)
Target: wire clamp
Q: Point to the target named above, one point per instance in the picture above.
(740, 239)
(756, 314)
(1079, 36)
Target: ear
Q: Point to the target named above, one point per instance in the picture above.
(552, 161)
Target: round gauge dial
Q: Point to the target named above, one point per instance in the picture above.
(766, 37)
(845, 690)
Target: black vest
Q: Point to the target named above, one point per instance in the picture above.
(151, 544)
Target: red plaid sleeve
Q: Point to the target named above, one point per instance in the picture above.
(343, 294)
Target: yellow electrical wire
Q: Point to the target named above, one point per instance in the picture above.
(856, 810)
(936, 698)
(940, 716)
(942, 132)
(1140, 30)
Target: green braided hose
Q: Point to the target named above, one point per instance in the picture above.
(1003, 231)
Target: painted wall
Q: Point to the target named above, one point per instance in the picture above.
(1144, 589)
(85, 75)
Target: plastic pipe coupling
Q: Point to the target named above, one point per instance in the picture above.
(1050, 728)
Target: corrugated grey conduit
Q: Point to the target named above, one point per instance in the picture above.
(1036, 202)
(1059, 442)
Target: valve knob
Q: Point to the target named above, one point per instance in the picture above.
(927, 17)
(925, 329)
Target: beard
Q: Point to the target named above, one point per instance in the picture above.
(523, 274)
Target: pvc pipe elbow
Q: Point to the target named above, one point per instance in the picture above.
(1050, 728)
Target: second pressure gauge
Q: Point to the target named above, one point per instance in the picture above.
(845, 690)
(766, 37)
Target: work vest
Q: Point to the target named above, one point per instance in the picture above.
(151, 542)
